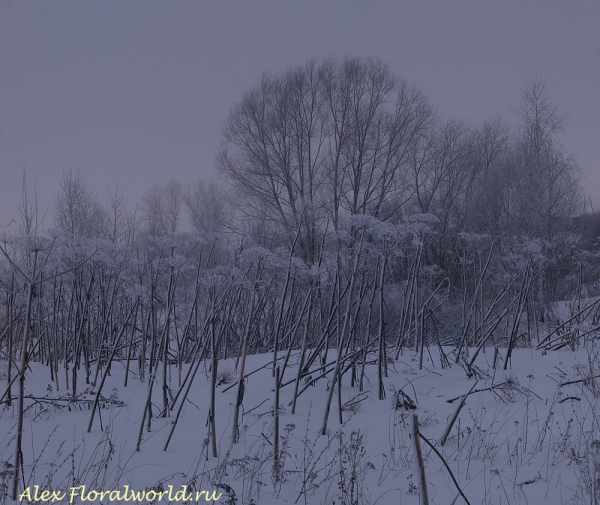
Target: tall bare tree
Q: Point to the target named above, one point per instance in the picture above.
(120, 221)
(321, 141)
(208, 206)
(375, 120)
(546, 177)
(273, 152)
(31, 219)
(162, 207)
(77, 212)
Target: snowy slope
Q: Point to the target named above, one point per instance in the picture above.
(524, 439)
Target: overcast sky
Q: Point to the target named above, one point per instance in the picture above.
(137, 91)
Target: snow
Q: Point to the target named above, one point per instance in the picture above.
(531, 441)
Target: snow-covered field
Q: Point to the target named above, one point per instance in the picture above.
(522, 437)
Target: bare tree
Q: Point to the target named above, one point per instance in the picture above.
(208, 206)
(323, 140)
(172, 209)
(273, 152)
(120, 221)
(162, 206)
(442, 173)
(545, 177)
(375, 121)
(486, 207)
(153, 211)
(28, 209)
(78, 213)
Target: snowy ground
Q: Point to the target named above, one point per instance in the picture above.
(527, 440)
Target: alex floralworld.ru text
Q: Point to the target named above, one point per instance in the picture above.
(80, 493)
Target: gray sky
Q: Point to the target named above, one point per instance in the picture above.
(137, 91)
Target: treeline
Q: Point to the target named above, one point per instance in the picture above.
(352, 217)
(309, 146)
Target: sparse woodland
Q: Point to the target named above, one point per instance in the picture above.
(355, 233)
